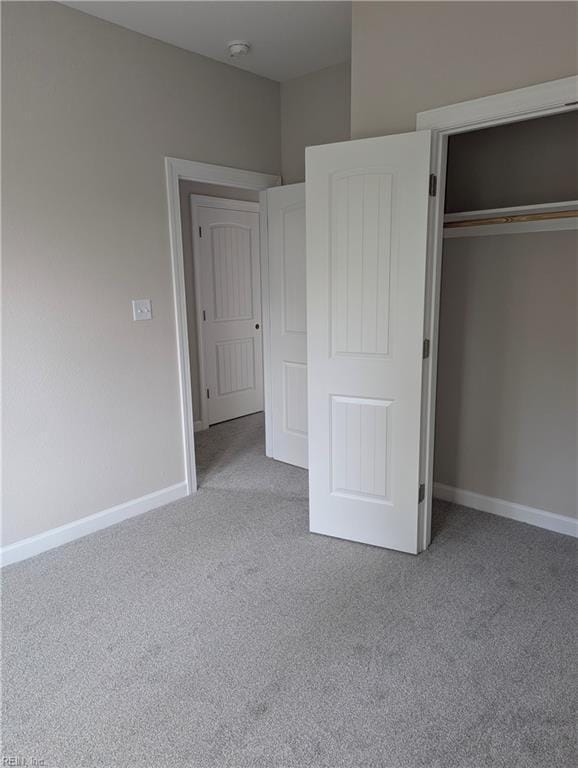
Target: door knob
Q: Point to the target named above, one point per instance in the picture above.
(257, 326)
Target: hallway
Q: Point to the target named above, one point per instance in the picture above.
(231, 455)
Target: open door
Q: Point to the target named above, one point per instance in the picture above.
(288, 323)
(367, 215)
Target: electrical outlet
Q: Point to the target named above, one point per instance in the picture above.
(141, 309)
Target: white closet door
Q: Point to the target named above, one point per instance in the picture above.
(367, 209)
(288, 323)
(230, 294)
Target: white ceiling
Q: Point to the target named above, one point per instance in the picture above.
(288, 39)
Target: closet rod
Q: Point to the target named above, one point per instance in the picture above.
(519, 217)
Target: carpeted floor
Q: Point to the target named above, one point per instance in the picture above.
(218, 633)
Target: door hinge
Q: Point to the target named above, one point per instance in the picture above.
(200, 232)
(433, 185)
(421, 493)
(208, 394)
(425, 350)
(204, 315)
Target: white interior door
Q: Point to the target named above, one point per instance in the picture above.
(367, 211)
(227, 239)
(288, 323)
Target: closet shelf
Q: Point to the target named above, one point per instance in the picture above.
(522, 218)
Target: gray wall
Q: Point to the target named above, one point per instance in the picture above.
(315, 109)
(186, 189)
(409, 57)
(91, 403)
(506, 405)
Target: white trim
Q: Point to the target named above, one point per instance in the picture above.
(180, 304)
(509, 106)
(195, 247)
(521, 104)
(22, 550)
(541, 518)
(196, 202)
(266, 312)
(175, 170)
(221, 174)
(431, 324)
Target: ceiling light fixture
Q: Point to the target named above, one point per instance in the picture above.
(238, 48)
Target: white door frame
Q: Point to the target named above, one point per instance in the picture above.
(511, 106)
(229, 205)
(175, 171)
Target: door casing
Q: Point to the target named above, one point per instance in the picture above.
(176, 170)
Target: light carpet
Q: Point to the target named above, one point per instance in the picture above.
(216, 632)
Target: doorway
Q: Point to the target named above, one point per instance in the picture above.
(446, 123)
(214, 182)
(505, 435)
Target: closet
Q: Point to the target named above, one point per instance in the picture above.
(506, 415)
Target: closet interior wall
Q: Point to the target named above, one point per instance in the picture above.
(506, 390)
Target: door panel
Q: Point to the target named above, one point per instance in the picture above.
(235, 366)
(287, 292)
(231, 298)
(231, 267)
(367, 205)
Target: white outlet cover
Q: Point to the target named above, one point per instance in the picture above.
(142, 309)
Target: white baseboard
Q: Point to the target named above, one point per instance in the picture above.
(21, 550)
(551, 521)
